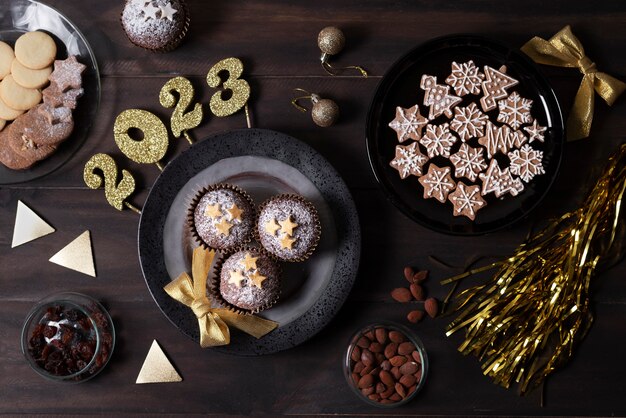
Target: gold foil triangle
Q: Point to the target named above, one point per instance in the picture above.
(157, 368)
(28, 226)
(77, 255)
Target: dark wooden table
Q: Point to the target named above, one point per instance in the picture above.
(277, 42)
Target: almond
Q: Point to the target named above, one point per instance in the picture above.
(431, 307)
(395, 372)
(366, 381)
(400, 390)
(391, 350)
(368, 391)
(401, 294)
(386, 378)
(380, 387)
(374, 397)
(390, 391)
(363, 342)
(370, 335)
(376, 347)
(356, 378)
(405, 348)
(397, 361)
(385, 365)
(395, 397)
(420, 276)
(367, 357)
(358, 367)
(356, 354)
(407, 380)
(417, 291)
(409, 368)
(381, 335)
(416, 356)
(409, 273)
(396, 337)
(415, 316)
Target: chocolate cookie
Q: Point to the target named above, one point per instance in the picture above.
(10, 158)
(44, 125)
(54, 96)
(22, 145)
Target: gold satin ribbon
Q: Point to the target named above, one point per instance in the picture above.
(213, 322)
(565, 50)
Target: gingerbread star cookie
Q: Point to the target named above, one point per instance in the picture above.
(408, 160)
(437, 183)
(408, 123)
(466, 200)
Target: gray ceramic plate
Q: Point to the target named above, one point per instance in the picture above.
(264, 163)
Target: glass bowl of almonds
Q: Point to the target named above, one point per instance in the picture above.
(385, 364)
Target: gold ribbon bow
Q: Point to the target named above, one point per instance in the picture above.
(565, 50)
(213, 322)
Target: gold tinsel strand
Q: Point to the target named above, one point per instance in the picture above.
(526, 321)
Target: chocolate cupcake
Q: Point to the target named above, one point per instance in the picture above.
(288, 227)
(156, 25)
(222, 217)
(247, 281)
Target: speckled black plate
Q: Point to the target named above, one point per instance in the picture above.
(161, 234)
(400, 87)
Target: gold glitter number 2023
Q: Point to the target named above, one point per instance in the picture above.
(149, 149)
(181, 122)
(240, 88)
(114, 193)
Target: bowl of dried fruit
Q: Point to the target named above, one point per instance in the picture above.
(68, 337)
(385, 364)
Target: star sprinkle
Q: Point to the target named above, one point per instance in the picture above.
(500, 181)
(168, 12)
(271, 227)
(466, 78)
(437, 183)
(438, 140)
(466, 200)
(257, 279)
(515, 111)
(535, 132)
(438, 97)
(287, 226)
(213, 211)
(223, 226)
(526, 162)
(249, 262)
(236, 278)
(235, 213)
(150, 11)
(408, 123)
(408, 160)
(67, 73)
(287, 242)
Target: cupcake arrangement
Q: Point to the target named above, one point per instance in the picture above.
(253, 244)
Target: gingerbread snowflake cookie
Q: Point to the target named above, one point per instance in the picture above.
(438, 140)
(466, 200)
(408, 160)
(469, 122)
(466, 78)
(408, 123)
(468, 162)
(526, 162)
(515, 111)
(438, 97)
(437, 183)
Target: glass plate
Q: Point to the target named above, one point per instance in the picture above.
(19, 16)
(400, 87)
(264, 163)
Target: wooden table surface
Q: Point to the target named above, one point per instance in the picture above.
(277, 42)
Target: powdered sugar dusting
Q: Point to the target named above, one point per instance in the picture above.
(152, 33)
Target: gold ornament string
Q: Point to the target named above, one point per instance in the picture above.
(338, 70)
(526, 321)
(565, 50)
(213, 322)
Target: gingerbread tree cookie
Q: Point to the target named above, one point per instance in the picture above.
(438, 140)
(500, 181)
(494, 87)
(466, 200)
(438, 97)
(469, 122)
(437, 183)
(515, 110)
(466, 78)
(468, 162)
(500, 139)
(526, 162)
(408, 160)
(408, 123)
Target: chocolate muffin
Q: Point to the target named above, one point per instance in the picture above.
(288, 227)
(156, 25)
(222, 217)
(249, 280)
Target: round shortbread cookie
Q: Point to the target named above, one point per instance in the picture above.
(31, 79)
(9, 158)
(18, 97)
(35, 50)
(2, 124)
(6, 58)
(7, 112)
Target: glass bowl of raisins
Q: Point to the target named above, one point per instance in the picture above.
(68, 337)
(385, 364)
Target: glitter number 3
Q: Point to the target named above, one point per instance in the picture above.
(240, 88)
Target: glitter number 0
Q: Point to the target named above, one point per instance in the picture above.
(181, 121)
(114, 193)
(152, 147)
(240, 88)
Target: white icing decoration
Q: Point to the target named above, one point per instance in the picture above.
(468, 162)
(526, 162)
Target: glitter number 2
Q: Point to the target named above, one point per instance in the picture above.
(240, 88)
(114, 193)
(181, 121)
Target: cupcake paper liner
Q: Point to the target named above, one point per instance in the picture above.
(213, 284)
(191, 212)
(317, 230)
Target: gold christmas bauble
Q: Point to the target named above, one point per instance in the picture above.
(325, 112)
(331, 40)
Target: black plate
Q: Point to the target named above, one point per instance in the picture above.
(21, 16)
(400, 87)
(218, 150)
